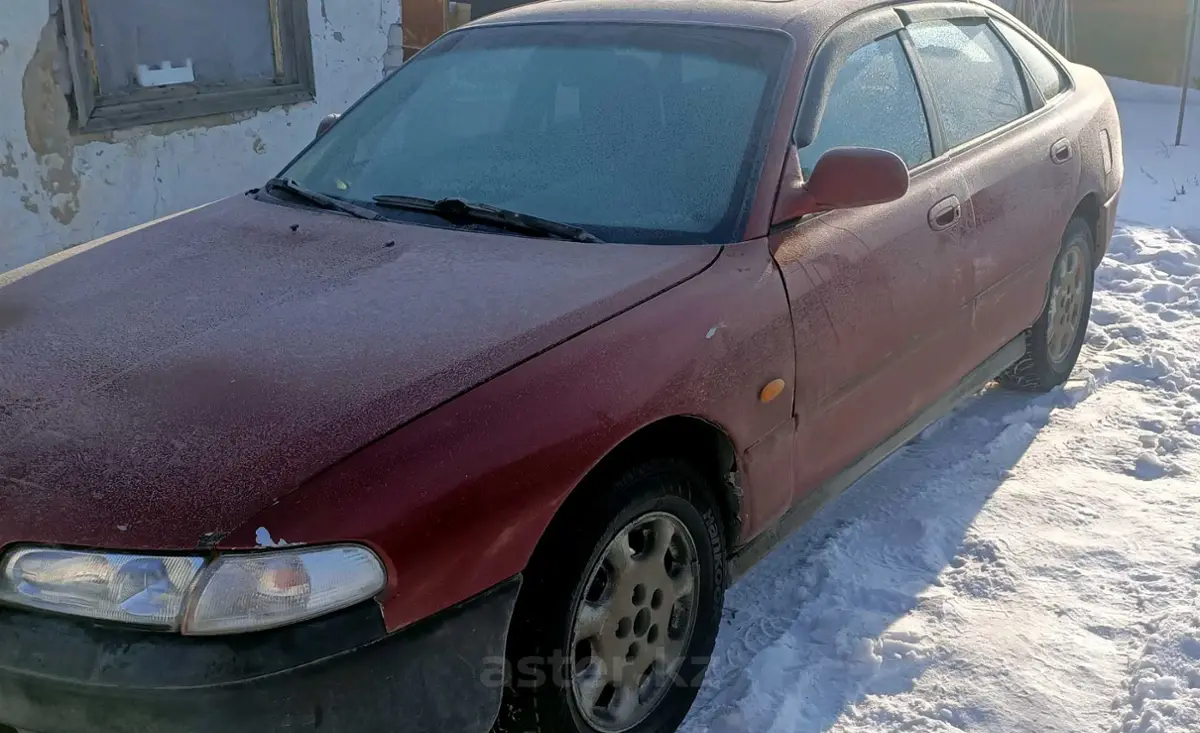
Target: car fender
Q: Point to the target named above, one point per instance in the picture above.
(456, 501)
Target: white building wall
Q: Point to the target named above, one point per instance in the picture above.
(58, 189)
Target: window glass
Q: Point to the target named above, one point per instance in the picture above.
(874, 103)
(1047, 74)
(228, 42)
(466, 103)
(647, 134)
(976, 81)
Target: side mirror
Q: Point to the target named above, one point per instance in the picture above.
(329, 121)
(844, 178)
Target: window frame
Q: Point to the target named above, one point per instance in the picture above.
(960, 10)
(866, 27)
(1032, 95)
(937, 129)
(932, 122)
(1039, 44)
(99, 112)
(846, 38)
(851, 34)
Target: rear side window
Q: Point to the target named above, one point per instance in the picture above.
(976, 81)
(1047, 75)
(874, 103)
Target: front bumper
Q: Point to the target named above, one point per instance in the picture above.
(338, 673)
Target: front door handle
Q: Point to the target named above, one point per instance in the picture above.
(945, 213)
(1061, 151)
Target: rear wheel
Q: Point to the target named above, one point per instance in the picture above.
(1053, 344)
(620, 611)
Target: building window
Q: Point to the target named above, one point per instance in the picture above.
(137, 62)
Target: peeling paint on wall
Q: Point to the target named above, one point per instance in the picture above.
(59, 189)
(47, 124)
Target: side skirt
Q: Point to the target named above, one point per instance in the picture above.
(749, 554)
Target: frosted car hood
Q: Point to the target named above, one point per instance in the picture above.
(159, 387)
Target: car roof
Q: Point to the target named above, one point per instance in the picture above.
(777, 14)
(807, 19)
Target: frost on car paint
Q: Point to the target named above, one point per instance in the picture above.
(611, 344)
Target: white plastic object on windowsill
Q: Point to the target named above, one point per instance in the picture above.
(165, 74)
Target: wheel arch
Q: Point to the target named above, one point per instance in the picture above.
(1088, 209)
(702, 443)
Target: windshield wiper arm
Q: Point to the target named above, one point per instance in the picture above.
(325, 202)
(457, 209)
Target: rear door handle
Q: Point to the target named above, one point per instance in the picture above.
(1061, 151)
(945, 213)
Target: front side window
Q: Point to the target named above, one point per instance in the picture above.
(645, 134)
(874, 103)
(1047, 74)
(976, 81)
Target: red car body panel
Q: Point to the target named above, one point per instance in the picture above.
(160, 387)
(890, 297)
(458, 499)
(439, 399)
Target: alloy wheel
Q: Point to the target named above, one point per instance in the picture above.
(1066, 306)
(634, 622)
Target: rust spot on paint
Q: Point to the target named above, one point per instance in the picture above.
(773, 389)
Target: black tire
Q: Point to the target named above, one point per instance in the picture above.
(538, 694)
(1041, 370)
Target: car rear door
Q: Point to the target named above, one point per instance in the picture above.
(879, 295)
(1013, 150)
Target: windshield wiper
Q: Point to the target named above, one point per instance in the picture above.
(459, 210)
(320, 199)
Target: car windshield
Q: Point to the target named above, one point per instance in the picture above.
(635, 133)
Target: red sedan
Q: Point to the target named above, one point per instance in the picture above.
(468, 417)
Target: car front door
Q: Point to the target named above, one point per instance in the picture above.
(1015, 154)
(880, 295)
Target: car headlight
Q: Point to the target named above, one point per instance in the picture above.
(233, 594)
(136, 589)
(264, 590)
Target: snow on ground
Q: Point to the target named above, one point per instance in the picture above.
(1029, 564)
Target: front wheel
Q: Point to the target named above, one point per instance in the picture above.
(620, 609)
(1053, 344)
